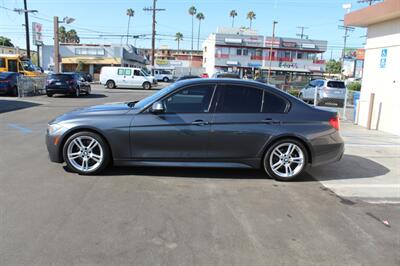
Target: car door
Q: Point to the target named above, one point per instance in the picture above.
(240, 128)
(181, 132)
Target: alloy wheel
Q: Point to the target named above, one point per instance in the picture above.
(85, 153)
(286, 160)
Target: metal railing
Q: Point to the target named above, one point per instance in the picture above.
(31, 86)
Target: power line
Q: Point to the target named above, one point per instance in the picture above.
(301, 35)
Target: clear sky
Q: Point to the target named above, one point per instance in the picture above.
(97, 18)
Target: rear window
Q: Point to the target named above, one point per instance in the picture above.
(61, 76)
(336, 84)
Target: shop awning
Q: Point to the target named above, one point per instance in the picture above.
(91, 60)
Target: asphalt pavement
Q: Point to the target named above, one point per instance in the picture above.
(175, 216)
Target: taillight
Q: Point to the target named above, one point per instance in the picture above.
(334, 122)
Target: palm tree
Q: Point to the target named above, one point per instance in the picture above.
(192, 12)
(130, 13)
(178, 38)
(200, 16)
(233, 14)
(250, 16)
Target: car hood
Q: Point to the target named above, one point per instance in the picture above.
(97, 110)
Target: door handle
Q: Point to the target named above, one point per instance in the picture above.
(199, 123)
(270, 121)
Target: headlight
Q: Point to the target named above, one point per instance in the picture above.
(53, 128)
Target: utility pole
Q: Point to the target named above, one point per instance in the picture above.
(154, 10)
(346, 29)
(270, 50)
(56, 46)
(301, 35)
(26, 11)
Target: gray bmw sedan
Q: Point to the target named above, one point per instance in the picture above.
(200, 123)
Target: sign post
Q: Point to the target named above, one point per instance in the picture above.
(37, 39)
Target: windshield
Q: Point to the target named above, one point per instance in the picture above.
(28, 66)
(144, 73)
(146, 101)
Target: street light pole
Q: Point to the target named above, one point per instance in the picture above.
(270, 50)
(56, 46)
(28, 45)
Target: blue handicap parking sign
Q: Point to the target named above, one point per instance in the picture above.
(384, 53)
(383, 62)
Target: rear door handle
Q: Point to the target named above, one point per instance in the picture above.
(199, 123)
(270, 121)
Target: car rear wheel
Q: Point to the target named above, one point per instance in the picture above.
(147, 86)
(110, 84)
(14, 91)
(49, 94)
(86, 153)
(285, 160)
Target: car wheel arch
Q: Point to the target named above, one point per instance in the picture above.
(301, 139)
(80, 129)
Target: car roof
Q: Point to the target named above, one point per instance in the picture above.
(226, 81)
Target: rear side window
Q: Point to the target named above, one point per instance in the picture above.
(2, 62)
(273, 103)
(128, 72)
(336, 84)
(121, 71)
(239, 99)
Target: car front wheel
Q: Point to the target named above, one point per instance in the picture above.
(147, 86)
(285, 160)
(86, 153)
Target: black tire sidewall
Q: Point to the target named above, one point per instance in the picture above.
(267, 167)
(146, 84)
(104, 146)
(112, 83)
(165, 79)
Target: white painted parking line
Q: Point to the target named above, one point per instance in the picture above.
(373, 145)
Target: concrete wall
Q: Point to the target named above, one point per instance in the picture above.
(383, 81)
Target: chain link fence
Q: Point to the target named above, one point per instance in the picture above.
(31, 86)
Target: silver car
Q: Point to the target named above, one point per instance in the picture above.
(325, 91)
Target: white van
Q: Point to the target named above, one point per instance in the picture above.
(163, 75)
(126, 77)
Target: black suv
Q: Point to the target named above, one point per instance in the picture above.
(67, 83)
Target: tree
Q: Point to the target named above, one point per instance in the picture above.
(333, 67)
(70, 36)
(130, 13)
(200, 16)
(178, 38)
(4, 41)
(62, 34)
(192, 11)
(233, 14)
(250, 16)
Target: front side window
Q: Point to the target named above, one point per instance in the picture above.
(194, 99)
(12, 65)
(2, 62)
(239, 99)
(137, 73)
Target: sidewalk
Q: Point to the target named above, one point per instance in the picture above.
(370, 168)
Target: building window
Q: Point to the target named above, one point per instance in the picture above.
(299, 55)
(239, 52)
(245, 52)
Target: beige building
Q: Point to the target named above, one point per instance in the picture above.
(381, 79)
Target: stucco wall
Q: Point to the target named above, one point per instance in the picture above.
(383, 81)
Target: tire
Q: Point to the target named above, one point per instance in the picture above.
(271, 159)
(82, 159)
(14, 92)
(166, 79)
(110, 84)
(146, 85)
(49, 94)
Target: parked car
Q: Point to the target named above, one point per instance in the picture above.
(187, 77)
(202, 123)
(126, 77)
(327, 90)
(67, 83)
(86, 76)
(227, 75)
(8, 83)
(163, 75)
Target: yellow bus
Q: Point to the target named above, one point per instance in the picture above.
(18, 63)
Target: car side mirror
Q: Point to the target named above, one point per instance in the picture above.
(82, 80)
(157, 108)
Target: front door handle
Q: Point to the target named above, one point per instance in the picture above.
(270, 121)
(199, 123)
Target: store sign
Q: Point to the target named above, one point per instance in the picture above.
(162, 62)
(289, 44)
(232, 63)
(37, 33)
(383, 57)
(308, 45)
(253, 41)
(254, 64)
(175, 63)
(360, 54)
(231, 40)
(274, 43)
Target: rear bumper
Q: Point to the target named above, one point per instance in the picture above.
(60, 90)
(327, 149)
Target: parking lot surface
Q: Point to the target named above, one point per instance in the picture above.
(175, 216)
